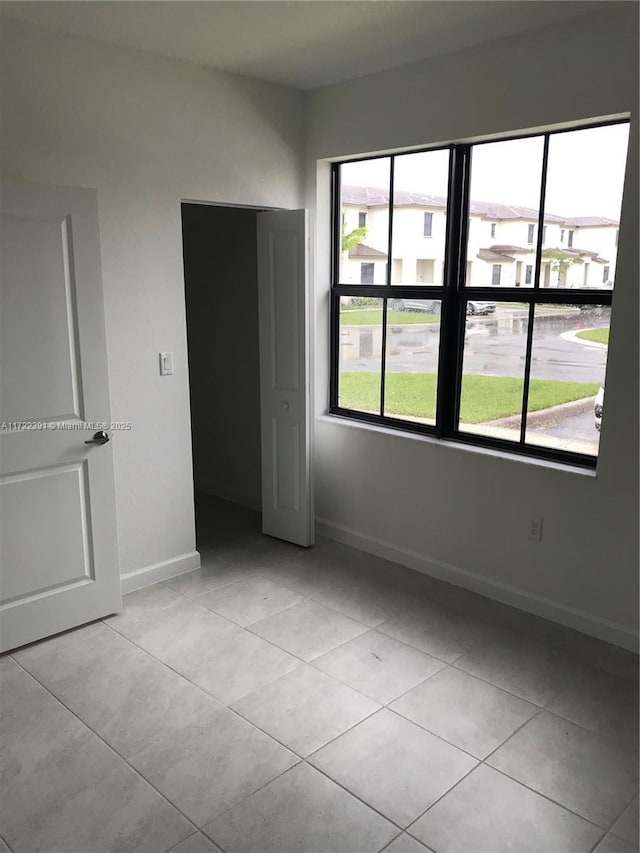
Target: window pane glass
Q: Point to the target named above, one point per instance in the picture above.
(503, 212)
(568, 363)
(585, 175)
(493, 371)
(364, 221)
(360, 353)
(411, 364)
(419, 217)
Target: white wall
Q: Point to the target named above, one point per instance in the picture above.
(146, 132)
(221, 286)
(459, 512)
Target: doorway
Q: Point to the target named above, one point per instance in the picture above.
(221, 295)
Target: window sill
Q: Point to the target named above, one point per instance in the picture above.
(451, 445)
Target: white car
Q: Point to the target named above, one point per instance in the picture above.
(474, 307)
(598, 407)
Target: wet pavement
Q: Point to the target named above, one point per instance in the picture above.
(495, 346)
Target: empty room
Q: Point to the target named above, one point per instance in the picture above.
(319, 442)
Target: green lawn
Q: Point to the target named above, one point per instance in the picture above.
(484, 398)
(598, 336)
(373, 317)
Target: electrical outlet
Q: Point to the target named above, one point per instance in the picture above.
(535, 529)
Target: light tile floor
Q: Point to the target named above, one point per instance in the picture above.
(282, 700)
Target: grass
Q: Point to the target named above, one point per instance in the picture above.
(598, 336)
(484, 398)
(373, 317)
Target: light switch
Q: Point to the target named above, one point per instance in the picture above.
(166, 363)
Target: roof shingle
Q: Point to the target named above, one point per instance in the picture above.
(379, 197)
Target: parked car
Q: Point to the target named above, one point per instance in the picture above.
(474, 307)
(598, 407)
(430, 306)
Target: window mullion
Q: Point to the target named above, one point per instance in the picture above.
(385, 302)
(536, 286)
(455, 253)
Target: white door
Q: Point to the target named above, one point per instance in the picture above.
(58, 550)
(285, 375)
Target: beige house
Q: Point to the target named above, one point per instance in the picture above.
(501, 250)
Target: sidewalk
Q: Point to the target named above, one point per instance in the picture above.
(546, 417)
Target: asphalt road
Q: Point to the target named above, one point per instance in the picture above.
(496, 345)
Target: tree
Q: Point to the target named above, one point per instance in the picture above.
(353, 238)
(560, 262)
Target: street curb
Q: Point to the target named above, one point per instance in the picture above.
(575, 407)
(575, 339)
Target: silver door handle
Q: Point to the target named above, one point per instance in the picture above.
(100, 437)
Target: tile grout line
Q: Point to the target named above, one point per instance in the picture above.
(393, 841)
(434, 734)
(223, 706)
(111, 749)
(597, 844)
(2, 838)
(246, 695)
(631, 801)
(548, 798)
(517, 781)
(355, 796)
(512, 735)
(248, 627)
(437, 800)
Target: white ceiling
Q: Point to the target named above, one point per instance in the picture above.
(300, 43)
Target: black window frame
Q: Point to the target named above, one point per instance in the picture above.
(454, 295)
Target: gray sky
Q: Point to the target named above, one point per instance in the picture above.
(585, 172)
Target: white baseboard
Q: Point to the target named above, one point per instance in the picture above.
(160, 571)
(218, 490)
(603, 629)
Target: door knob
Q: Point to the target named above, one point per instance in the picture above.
(100, 437)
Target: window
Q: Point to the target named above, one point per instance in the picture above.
(362, 219)
(605, 275)
(493, 229)
(428, 224)
(366, 273)
(544, 235)
(530, 230)
(562, 235)
(431, 350)
(570, 240)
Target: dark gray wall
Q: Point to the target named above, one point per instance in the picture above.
(222, 331)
